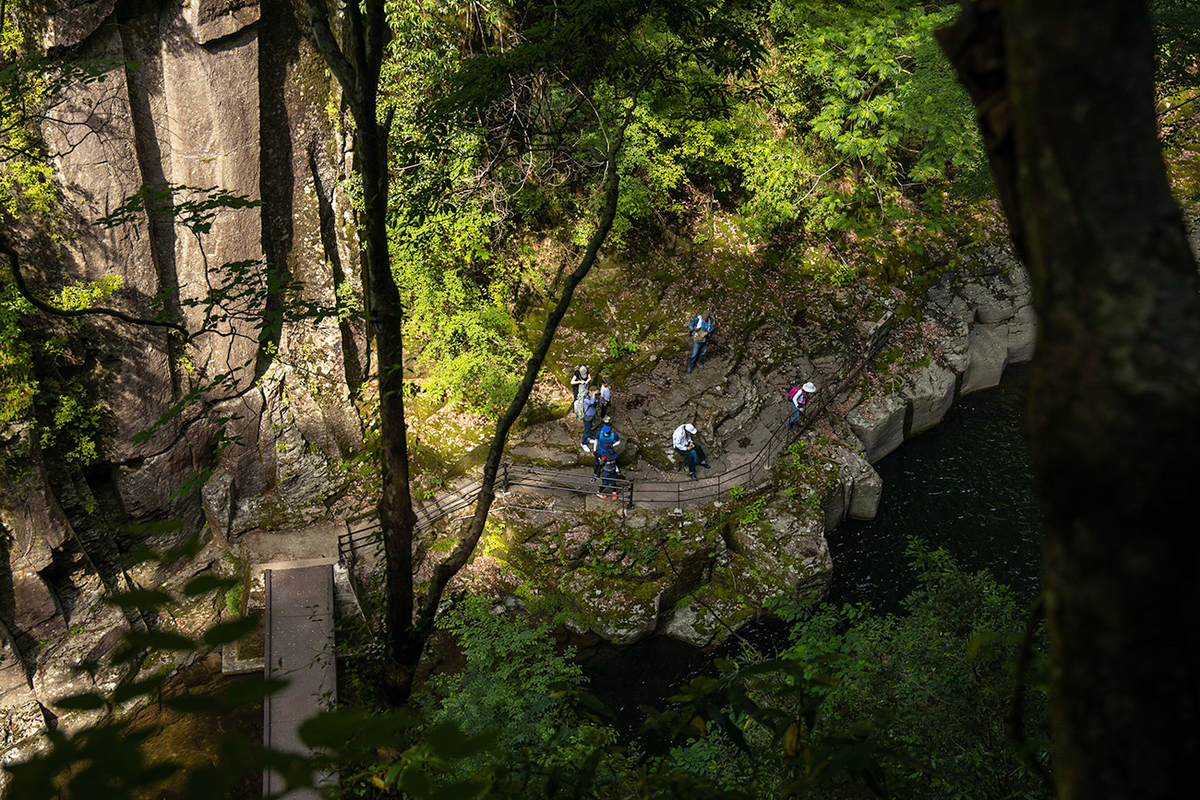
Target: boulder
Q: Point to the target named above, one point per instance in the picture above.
(1022, 335)
(209, 20)
(988, 346)
(930, 393)
(878, 422)
(69, 22)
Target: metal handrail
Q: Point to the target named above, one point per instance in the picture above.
(644, 493)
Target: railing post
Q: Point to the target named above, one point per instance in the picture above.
(630, 505)
(505, 483)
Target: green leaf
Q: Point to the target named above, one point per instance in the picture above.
(252, 689)
(448, 741)
(227, 632)
(415, 780)
(207, 583)
(192, 704)
(981, 642)
(88, 701)
(333, 729)
(145, 599)
(128, 691)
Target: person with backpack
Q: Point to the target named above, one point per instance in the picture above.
(686, 446)
(608, 477)
(580, 382)
(591, 403)
(799, 396)
(701, 329)
(607, 441)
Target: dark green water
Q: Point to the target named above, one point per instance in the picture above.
(966, 486)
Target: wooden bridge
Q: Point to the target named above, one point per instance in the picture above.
(298, 636)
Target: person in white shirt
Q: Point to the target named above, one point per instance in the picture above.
(686, 446)
(605, 396)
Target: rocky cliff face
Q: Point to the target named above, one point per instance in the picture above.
(973, 327)
(204, 94)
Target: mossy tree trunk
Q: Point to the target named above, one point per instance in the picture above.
(356, 64)
(1065, 92)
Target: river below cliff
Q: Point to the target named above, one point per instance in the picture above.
(965, 486)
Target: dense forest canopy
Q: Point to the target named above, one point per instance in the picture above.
(849, 148)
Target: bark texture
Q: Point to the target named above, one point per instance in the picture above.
(1114, 412)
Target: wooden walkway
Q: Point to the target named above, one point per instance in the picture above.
(299, 649)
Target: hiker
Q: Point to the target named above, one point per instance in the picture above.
(799, 396)
(606, 441)
(579, 388)
(687, 447)
(591, 402)
(605, 396)
(608, 474)
(701, 329)
(579, 380)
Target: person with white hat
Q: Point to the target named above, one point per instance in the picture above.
(799, 396)
(686, 446)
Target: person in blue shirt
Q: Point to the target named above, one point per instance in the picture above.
(591, 404)
(701, 329)
(607, 441)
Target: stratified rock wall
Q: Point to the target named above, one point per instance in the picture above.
(207, 94)
(975, 326)
(212, 95)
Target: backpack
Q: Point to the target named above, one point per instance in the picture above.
(604, 443)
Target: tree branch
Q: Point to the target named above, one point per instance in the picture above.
(466, 546)
(42, 305)
(318, 20)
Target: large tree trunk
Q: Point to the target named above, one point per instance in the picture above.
(1065, 91)
(356, 65)
(396, 516)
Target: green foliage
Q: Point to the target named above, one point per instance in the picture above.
(868, 132)
(513, 685)
(458, 308)
(79, 296)
(755, 730)
(934, 685)
(503, 116)
(67, 418)
(233, 598)
(26, 177)
(18, 384)
(618, 349)
(74, 422)
(945, 671)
